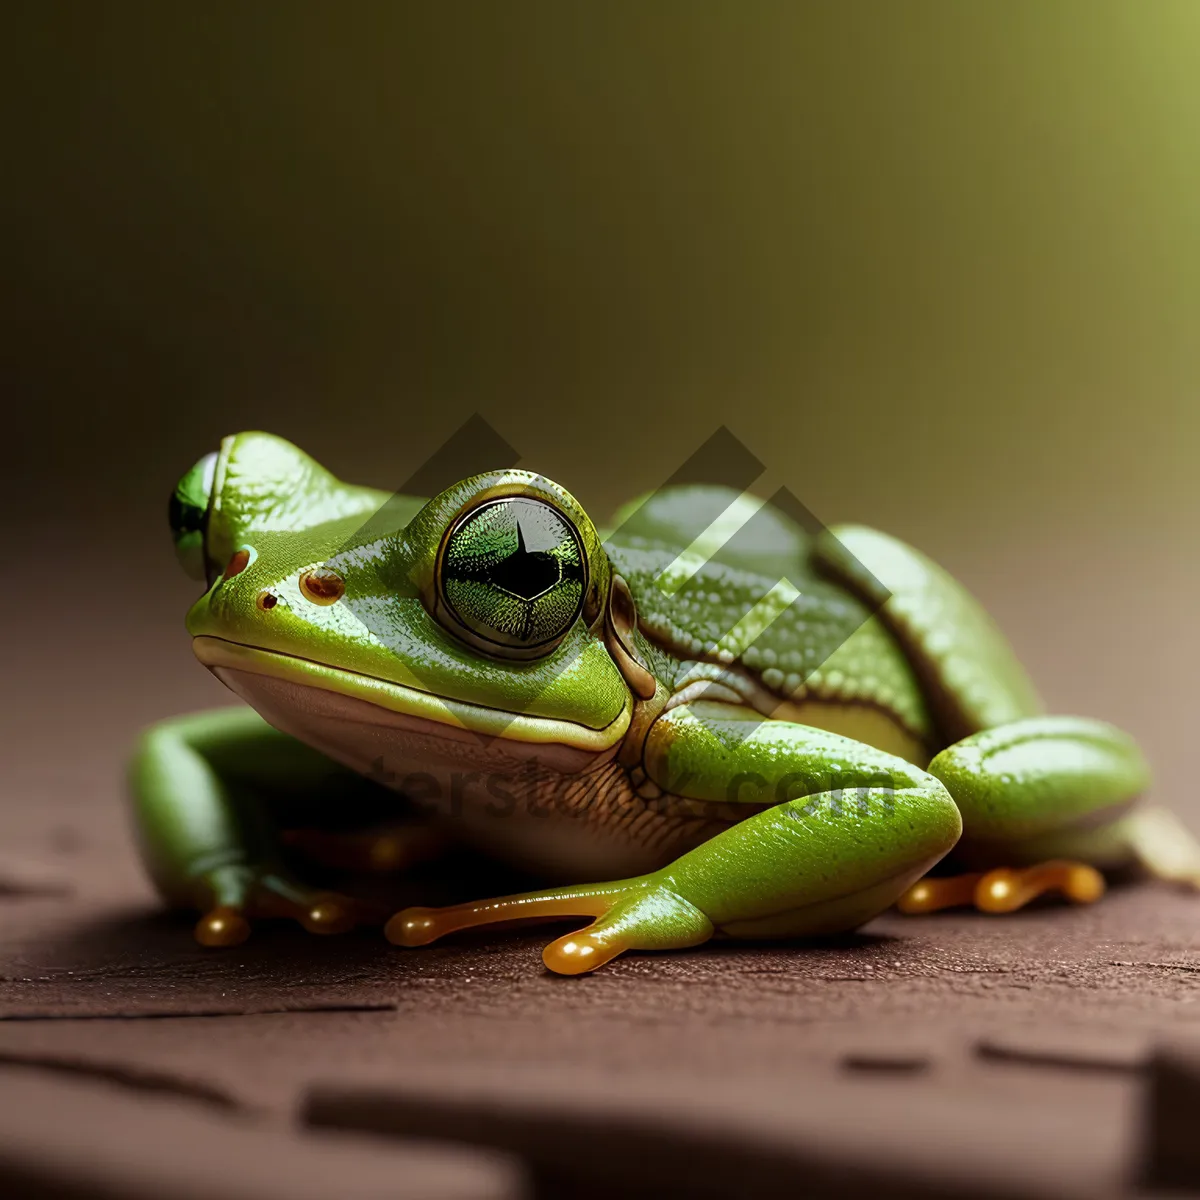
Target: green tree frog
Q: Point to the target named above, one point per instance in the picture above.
(618, 715)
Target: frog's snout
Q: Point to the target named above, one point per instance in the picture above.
(319, 585)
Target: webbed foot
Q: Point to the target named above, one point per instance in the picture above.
(630, 915)
(239, 895)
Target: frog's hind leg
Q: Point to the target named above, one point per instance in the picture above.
(1047, 803)
(1033, 790)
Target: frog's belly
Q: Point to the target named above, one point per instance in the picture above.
(562, 813)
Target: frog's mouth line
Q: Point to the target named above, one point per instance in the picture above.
(408, 701)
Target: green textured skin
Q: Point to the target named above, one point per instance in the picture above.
(824, 831)
(826, 643)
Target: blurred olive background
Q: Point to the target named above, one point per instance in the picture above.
(937, 264)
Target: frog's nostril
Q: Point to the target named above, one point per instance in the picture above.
(266, 601)
(322, 586)
(238, 562)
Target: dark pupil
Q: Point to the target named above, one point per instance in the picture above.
(525, 573)
(513, 567)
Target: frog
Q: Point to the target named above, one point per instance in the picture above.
(683, 733)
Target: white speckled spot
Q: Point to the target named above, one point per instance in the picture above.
(939, 642)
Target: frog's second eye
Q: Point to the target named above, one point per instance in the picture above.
(188, 514)
(512, 573)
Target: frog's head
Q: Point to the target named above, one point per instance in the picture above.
(388, 631)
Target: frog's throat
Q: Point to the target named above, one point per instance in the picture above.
(220, 656)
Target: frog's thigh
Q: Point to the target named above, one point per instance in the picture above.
(859, 827)
(1045, 802)
(1031, 789)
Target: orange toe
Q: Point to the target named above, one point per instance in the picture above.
(329, 914)
(932, 895)
(223, 926)
(413, 927)
(578, 953)
(1006, 890)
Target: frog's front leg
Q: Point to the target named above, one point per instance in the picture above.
(199, 788)
(1046, 803)
(847, 830)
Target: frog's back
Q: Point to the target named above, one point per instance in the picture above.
(730, 597)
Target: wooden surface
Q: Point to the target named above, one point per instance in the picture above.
(949, 1054)
(956, 1054)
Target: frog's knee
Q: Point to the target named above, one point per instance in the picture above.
(915, 824)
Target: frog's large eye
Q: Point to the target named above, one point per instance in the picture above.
(188, 514)
(512, 574)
